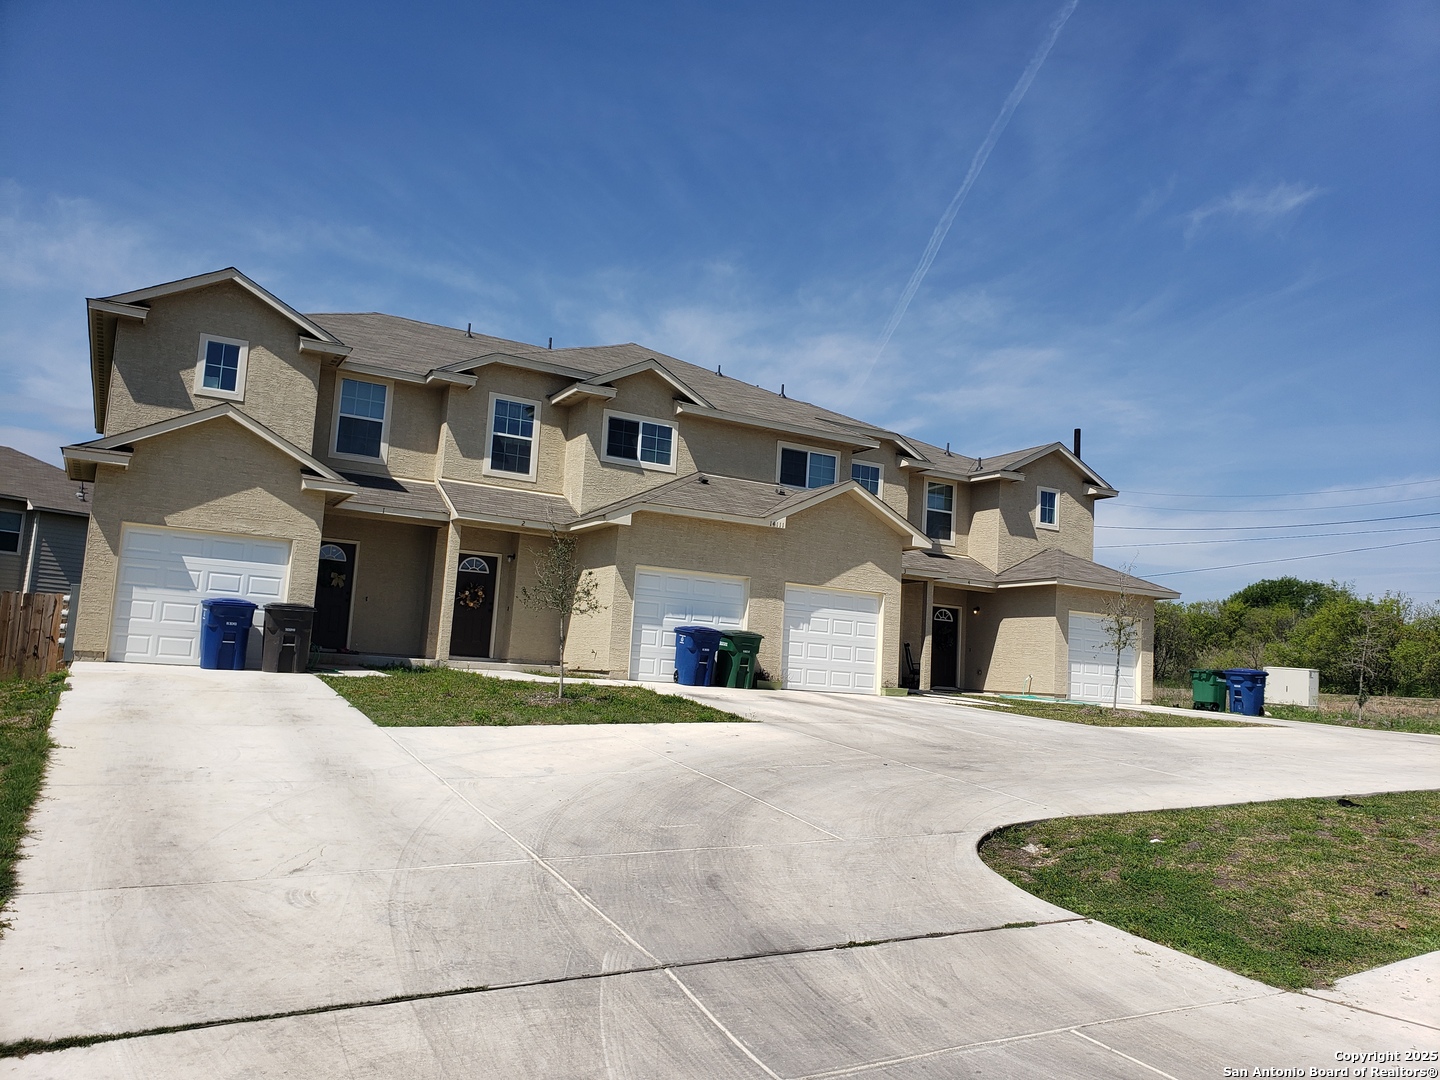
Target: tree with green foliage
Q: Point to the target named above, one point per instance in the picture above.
(562, 586)
(1305, 624)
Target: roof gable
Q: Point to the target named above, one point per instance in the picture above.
(112, 448)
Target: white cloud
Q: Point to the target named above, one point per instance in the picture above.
(1258, 204)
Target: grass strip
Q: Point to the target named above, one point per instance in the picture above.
(26, 706)
(1295, 893)
(1416, 725)
(1100, 716)
(448, 697)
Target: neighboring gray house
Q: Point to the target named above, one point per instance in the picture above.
(43, 519)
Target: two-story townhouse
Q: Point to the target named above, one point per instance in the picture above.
(405, 477)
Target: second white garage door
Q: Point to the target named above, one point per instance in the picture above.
(165, 573)
(665, 599)
(832, 640)
(1092, 663)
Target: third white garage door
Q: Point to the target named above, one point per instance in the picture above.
(665, 599)
(1092, 663)
(832, 640)
(165, 573)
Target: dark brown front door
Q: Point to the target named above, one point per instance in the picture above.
(474, 606)
(944, 658)
(333, 589)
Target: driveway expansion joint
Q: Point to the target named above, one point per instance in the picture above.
(22, 1047)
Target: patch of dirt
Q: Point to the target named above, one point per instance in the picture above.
(546, 700)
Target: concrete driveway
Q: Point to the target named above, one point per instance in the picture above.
(246, 858)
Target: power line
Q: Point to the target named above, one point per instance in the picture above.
(1263, 539)
(1297, 558)
(1276, 509)
(1288, 494)
(1257, 528)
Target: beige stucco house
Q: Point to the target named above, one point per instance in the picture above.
(403, 478)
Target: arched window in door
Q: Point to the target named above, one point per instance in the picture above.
(473, 565)
(332, 553)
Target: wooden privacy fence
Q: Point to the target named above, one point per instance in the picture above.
(32, 633)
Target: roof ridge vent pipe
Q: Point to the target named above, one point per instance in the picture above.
(467, 329)
(782, 389)
(1077, 442)
(947, 450)
(550, 344)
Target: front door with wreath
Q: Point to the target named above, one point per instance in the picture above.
(474, 618)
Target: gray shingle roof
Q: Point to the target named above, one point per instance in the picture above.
(1056, 565)
(389, 493)
(712, 494)
(480, 502)
(947, 569)
(38, 483)
(419, 348)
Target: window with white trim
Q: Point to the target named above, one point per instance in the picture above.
(512, 437)
(801, 468)
(1047, 513)
(9, 531)
(867, 476)
(634, 440)
(361, 420)
(220, 368)
(939, 511)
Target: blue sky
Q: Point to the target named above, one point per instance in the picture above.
(1209, 234)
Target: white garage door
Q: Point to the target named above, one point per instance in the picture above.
(832, 640)
(1092, 663)
(165, 573)
(665, 599)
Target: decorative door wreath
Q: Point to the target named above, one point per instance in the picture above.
(471, 597)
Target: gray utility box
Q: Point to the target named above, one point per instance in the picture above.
(1293, 686)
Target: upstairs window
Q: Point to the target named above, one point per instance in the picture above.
(1048, 513)
(220, 369)
(512, 437)
(633, 440)
(360, 423)
(806, 468)
(9, 531)
(940, 511)
(867, 476)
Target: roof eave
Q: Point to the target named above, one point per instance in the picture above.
(858, 442)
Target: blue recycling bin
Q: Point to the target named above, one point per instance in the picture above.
(1247, 691)
(225, 632)
(695, 649)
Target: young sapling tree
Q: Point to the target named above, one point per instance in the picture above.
(563, 587)
(1123, 616)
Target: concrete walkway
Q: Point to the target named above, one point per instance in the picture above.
(244, 856)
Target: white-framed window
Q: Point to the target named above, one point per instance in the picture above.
(801, 467)
(362, 419)
(939, 511)
(639, 440)
(866, 475)
(220, 368)
(1047, 510)
(9, 531)
(510, 447)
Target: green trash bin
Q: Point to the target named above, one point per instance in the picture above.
(1210, 689)
(737, 658)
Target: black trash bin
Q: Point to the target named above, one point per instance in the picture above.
(287, 637)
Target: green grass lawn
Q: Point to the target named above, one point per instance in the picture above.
(26, 706)
(1294, 893)
(445, 697)
(1380, 721)
(1100, 716)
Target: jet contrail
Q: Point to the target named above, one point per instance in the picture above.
(976, 164)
